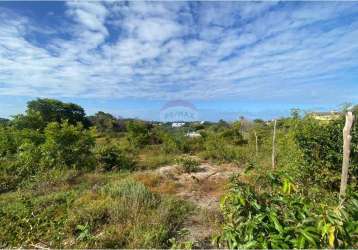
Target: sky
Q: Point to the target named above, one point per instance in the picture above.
(229, 59)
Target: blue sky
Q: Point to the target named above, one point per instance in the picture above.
(256, 59)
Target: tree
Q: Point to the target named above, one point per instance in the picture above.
(40, 112)
(4, 121)
(105, 122)
(31, 120)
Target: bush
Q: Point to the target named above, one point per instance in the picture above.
(233, 134)
(189, 165)
(106, 123)
(68, 146)
(171, 143)
(217, 149)
(26, 219)
(138, 133)
(321, 147)
(91, 211)
(27, 160)
(284, 219)
(110, 157)
(7, 141)
(8, 179)
(15, 167)
(26, 152)
(12, 138)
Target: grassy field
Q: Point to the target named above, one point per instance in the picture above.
(109, 183)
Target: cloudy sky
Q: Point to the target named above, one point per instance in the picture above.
(257, 59)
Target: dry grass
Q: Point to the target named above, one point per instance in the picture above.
(153, 157)
(124, 214)
(157, 183)
(214, 187)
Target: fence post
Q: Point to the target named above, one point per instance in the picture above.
(346, 153)
(256, 145)
(273, 145)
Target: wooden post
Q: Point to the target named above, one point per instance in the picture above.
(346, 152)
(273, 144)
(256, 145)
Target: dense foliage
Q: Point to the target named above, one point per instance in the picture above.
(111, 157)
(40, 112)
(283, 218)
(321, 145)
(106, 123)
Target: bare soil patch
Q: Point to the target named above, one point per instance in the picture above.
(203, 188)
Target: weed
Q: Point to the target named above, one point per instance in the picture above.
(111, 157)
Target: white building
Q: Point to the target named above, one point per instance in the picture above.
(178, 124)
(193, 134)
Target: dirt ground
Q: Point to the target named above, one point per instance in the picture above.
(203, 188)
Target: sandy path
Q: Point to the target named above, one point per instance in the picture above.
(204, 189)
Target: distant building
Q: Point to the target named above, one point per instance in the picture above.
(193, 134)
(325, 116)
(178, 124)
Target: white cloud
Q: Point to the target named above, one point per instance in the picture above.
(182, 50)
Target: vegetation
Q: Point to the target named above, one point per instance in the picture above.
(111, 157)
(284, 218)
(72, 181)
(106, 123)
(188, 164)
(40, 112)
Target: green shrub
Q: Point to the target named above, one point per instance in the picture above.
(7, 141)
(322, 150)
(8, 179)
(15, 169)
(106, 123)
(216, 148)
(284, 219)
(90, 210)
(138, 133)
(27, 152)
(12, 138)
(172, 143)
(27, 160)
(233, 134)
(67, 146)
(290, 157)
(26, 219)
(188, 164)
(111, 157)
